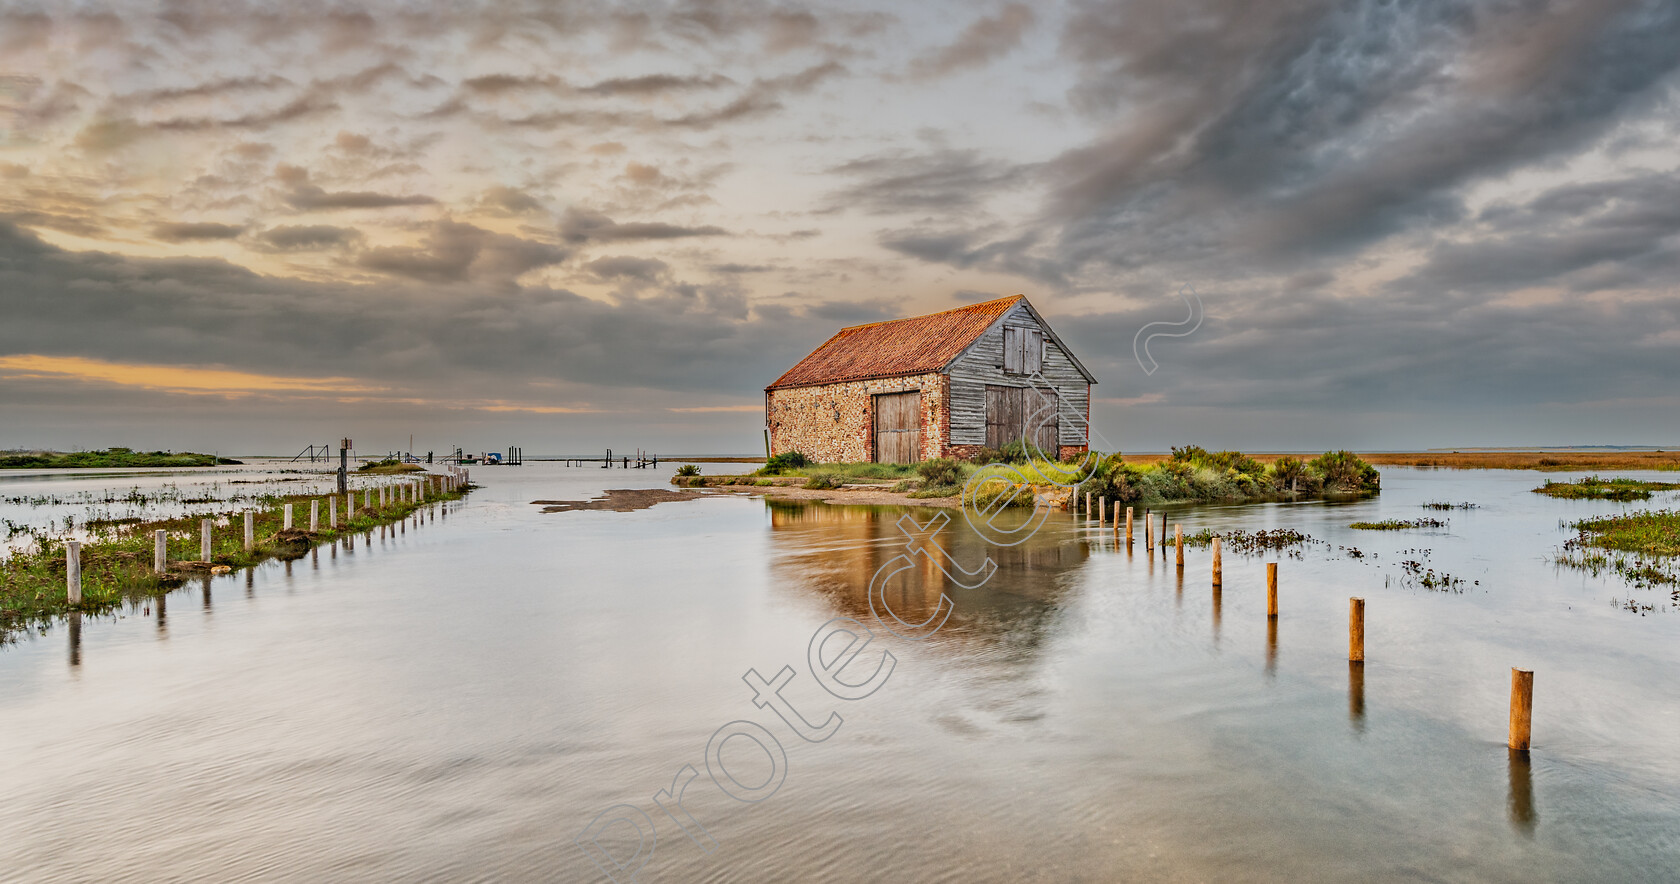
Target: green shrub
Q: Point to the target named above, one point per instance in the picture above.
(1011, 453)
(940, 471)
(1345, 471)
(787, 460)
(823, 479)
(688, 469)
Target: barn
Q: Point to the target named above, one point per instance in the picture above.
(941, 385)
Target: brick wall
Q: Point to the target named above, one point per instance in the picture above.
(834, 423)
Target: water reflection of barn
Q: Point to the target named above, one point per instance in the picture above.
(838, 548)
(939, 385)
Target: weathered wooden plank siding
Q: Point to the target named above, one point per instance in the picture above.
(983, 364)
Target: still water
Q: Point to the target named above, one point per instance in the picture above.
(458, 701)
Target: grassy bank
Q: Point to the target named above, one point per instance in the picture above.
(116, 557)
(1190, 475)
(1643, 548)
(1594, 488)
(109, 458)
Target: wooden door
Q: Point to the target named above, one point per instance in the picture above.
(1003, 415)
(898, 427)
(1018, 414)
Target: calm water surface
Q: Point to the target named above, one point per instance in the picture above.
(457, 701)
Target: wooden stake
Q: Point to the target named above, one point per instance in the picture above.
(1522, 707)
(204, 540)
(250, 531)
(160, 550)
(1149, 533)
(314, 516)
(332, 513)
(1178, 540)
(1163, 535)
(73, 571)
(1356, 630)
(1271, 589)
(1102, 511)
(1218, 563)
(1128, 526)
(288, 517)
(1087, 504)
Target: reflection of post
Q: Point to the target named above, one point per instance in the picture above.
(1271, 646)
(1356, 694)
(75, 638)
(1216, 606)
(1521, 805)
(163, 616)
(204, 587)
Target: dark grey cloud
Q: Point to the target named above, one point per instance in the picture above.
(207, 89)
(580, 226)
(306, 237)
(763, 97)
(511, 200)
(987, 39)
(457, 252)
(305, 196)
(655, 84)
(942, 181)
(627, 267)
(184, 231)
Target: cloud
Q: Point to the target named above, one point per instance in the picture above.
(946, 181)
(456, 252)
(625, 267)
(181, 231)
(302, 195)
(510, 200)
(985, 40)
(655, 84)
(580, 226)
(307, 237)
(762, 98)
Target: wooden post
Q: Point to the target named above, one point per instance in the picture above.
(1102, 511)
(1087, 504)
(73, 571)
(1271, 589)
(288, 517)
(1522, 707)
(332, 512)
(160, 550)
(1218, 563)
(1356, 630)
(1163, 535)
(349, 508)
(1149, 533)
(1178, 540)
(250, 531)
(204, 540)
(314, 516)
(1128, 526)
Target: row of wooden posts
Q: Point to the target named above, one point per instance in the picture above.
(1522, 680)
(414, 491)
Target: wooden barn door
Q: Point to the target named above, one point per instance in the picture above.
(1017, 414)
(898, 427)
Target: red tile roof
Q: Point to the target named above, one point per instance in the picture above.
(898, 347)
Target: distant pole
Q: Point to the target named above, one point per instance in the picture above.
(1356, 630)
(343, 465)
(160, 550)
(1178, 539)
(204, 539)
(1522, 707)
(1271, 589)
(1128, 526)
(1102, 511)
(250, 531)
(1218, 563)
(288, 517)
(1087, 504)
(73, 571)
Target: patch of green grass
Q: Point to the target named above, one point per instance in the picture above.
(116, 557)
(1650, 533)
(1399, 524)
(1595, 488)
(109, 458)
(1447, 505)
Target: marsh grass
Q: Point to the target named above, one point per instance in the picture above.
(107, 459)
(1399, 524)
(117, 555)
(1595, 488)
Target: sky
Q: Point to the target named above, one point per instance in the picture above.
(570, 226)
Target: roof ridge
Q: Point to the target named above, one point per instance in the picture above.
(934, 313)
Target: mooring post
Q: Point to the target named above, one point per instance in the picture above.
(1218, 563)
(1271, 589)
(160, 550)
(73, 570)
(1522, 707)
(314, 516)
(1163, 535)
(287, 523)
(1102, 511)
(204, 539)
(1356, 630)
(1149, 533)
(1087, 504)
(1178, 541)
(250, 531)
(1128, 526)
